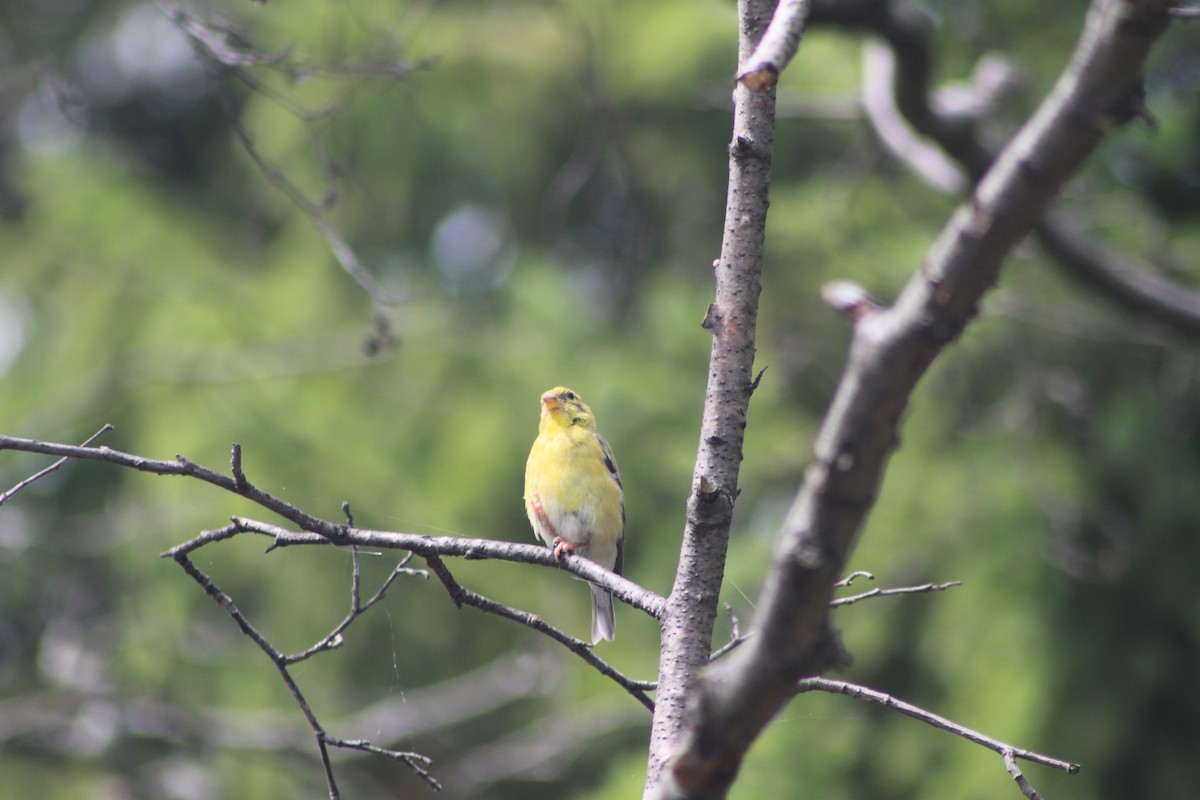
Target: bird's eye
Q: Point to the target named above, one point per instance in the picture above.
(569, 395)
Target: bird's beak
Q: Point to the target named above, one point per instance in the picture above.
(551, 401)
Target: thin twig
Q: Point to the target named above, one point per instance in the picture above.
(224, 51)
(852, 577)
(928, 587)
(53, 467)
(415, 761)
(737, 638)
(1010, 763)
(225, 601)
(281, 662)
(735, 635)
(463, 596)
(335, 638)
(1007, 751)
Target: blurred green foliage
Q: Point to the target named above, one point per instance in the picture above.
(544, 187)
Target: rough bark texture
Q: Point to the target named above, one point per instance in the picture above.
(892, 348)
(691, 609)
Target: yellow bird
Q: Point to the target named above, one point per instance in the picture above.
(573, 494)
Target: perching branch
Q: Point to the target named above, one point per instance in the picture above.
(891, 350)
(1009, 753)
(320, 532)
(317, 531)
(323, 532)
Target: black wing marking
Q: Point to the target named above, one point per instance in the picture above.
(610, 460)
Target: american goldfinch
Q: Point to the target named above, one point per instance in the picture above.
(573, 494)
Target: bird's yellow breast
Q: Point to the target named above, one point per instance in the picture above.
(569, 485)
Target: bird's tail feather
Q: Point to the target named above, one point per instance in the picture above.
(604, 623)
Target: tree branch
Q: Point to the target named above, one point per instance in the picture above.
(891, 349)
(957, 130)
(463, 596)
(224, 51)
(321, 532)
(1009, 753)
(922, 589)
(415, 761)
(777, 47)
(37, 476)
(691, 609)
(737, 638)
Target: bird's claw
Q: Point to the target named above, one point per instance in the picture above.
(561, 546)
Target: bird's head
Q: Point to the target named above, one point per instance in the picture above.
(564, 408)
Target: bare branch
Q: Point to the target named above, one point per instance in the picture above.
(325, 533)
(463, 596)
(414, 761)
(923, 589)
(451, 546)
(277, 658)
(225, 51)
(180, 466)
(281, 661)
(691, 610)
(52, 468)
(737, 638)
(891, 350)
(852, 577)
(921, 154)
(777, 47)
(334, 639)
(321, 532)
(1007, 751)
(898, 83)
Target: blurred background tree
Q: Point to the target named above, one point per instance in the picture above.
(541, 186)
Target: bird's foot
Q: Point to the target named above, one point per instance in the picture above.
(561, 546)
